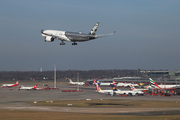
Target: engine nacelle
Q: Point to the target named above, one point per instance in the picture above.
(49, 39)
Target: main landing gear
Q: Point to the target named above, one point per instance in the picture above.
(74, 43)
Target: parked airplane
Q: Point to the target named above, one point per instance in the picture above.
(102, 83)
(98, 89)
(50, 35)
(126, 92)
(75, 83)
(154, 85)
(134, 89)
(28, 88)
(10, 85)
(120, 84)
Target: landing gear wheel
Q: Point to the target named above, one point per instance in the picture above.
(74, 43)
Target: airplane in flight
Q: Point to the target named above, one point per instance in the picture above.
(10, 85)
(98, 89)
(154, 85)
(120, 84)
(50, 35)
(75, 83)
(28, 88)
(126, 92)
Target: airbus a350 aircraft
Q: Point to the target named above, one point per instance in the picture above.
(10, 85)
(75, 83)
(50, 35)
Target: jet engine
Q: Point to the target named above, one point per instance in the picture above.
(49, 39)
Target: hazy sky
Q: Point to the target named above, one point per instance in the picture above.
(147, 34)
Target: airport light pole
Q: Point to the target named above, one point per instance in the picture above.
(78, 81)
(54, 76)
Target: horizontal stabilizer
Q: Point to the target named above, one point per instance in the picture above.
(104, 35)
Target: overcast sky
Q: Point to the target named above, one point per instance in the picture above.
(147, 34)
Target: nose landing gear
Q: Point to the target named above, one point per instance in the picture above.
(62, 43)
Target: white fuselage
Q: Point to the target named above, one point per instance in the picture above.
(109, 92)
(126, 84)
(105, 91)
(105, 84)
(165, 86)
(77, 83)
(26, 88)
(139, 89)
(7, 85)
(128, 92)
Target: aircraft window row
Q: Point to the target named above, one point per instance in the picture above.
(75, 36)
(75, 33)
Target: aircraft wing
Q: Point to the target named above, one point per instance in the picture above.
(105, 35)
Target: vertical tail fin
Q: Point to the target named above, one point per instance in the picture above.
(98, 82)
(34, 87)
(94, 81)
(132, 87)
(17, 83)
(94, 29)
(70, 81)
(114, 82)
(98, 88)
(114, 88)
(153, 83)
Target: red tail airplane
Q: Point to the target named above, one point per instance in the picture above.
(10, 85)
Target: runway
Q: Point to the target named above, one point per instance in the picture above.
(17, 100)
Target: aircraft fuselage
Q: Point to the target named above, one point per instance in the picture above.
(50, 35)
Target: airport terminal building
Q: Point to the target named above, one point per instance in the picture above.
(161, 77)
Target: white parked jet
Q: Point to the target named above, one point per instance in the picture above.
(134, 89)
(120, 84)
(50, 35)
(98, 89)
(27, 88)
(75, 83)
(10, 85)
(154, 85)
(102, 83)
(126, 92)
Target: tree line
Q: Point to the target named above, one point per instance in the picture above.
(63, 75)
